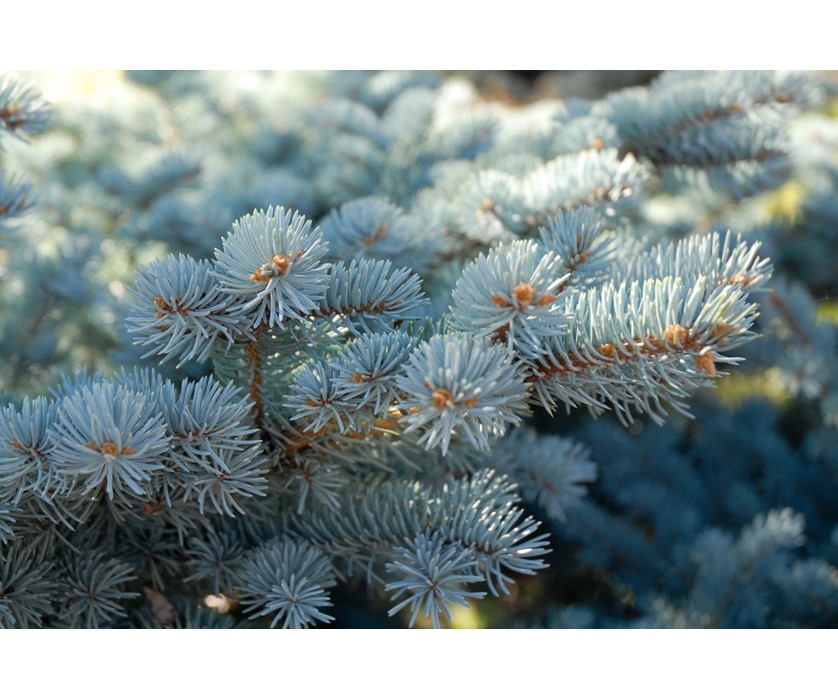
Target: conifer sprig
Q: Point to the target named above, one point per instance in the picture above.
(460, 384)
(271, 263)
(22, 109)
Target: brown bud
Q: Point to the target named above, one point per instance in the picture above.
(524, 294)
(722, 329)
(705, 364)
(740, 278)
(676, 334)
(281, 262)
(442, 399)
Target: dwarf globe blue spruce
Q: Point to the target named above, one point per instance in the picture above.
(350, 387)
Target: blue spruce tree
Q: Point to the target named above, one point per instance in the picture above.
(352, 385)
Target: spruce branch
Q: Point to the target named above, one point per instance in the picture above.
(374, 228)
(719, 129)
(107, 437)
(180, 311)
(22, 109)
(317, 400)
(727, 566)
(288, 580)
(489, 208)
(271, 263)
(93, 590)
(366, 297)
(592, 178)
(203, 418)
(367, 369)
(551, 471)
(15, 198)
(25, 466)
(580, 239)
(212, 558)
(630, 347)
(7, 521)
(28, 586)
(727, 260)
(479, 513)
(457, 383)
(688, 107)
(431, 574)
(234, 474)
(511, 295)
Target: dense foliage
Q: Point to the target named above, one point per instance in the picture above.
(309, 349)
